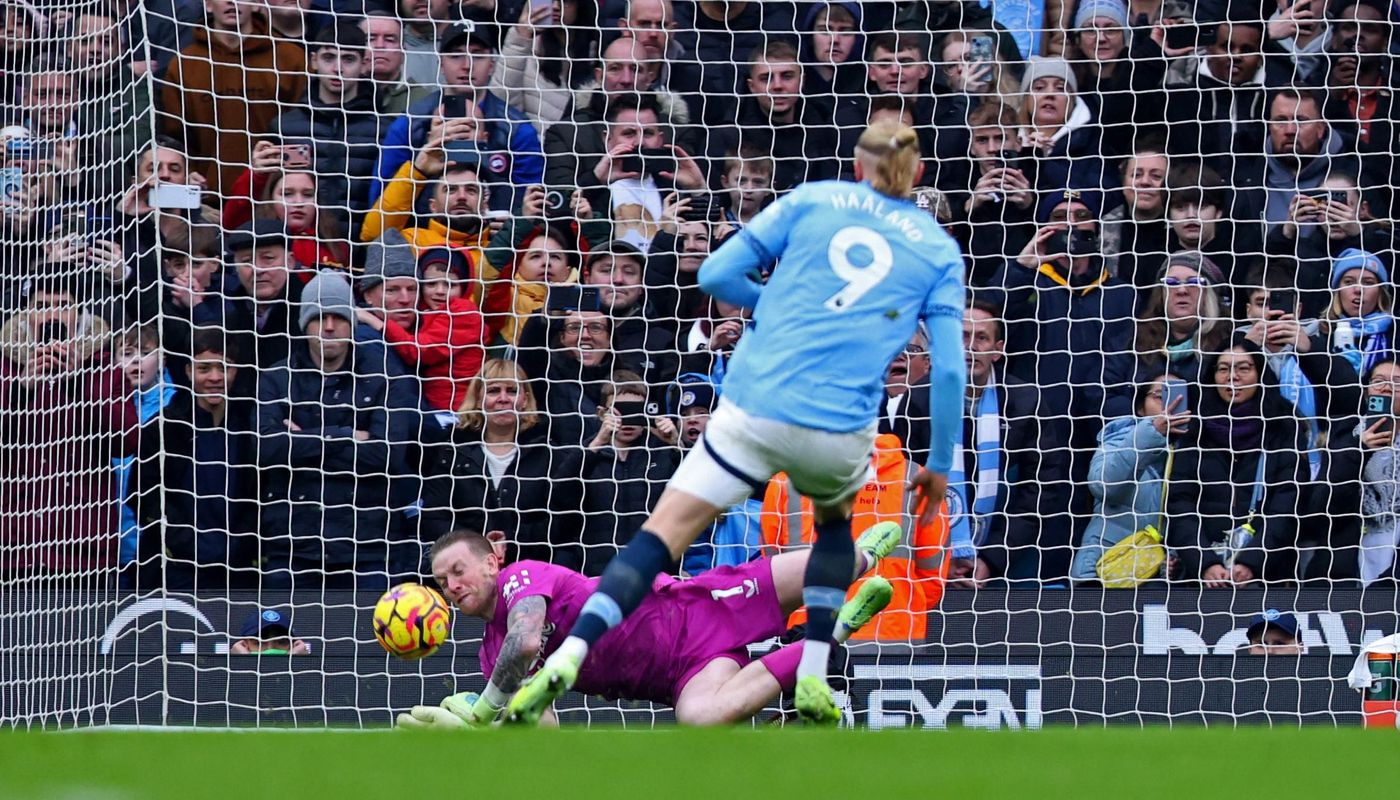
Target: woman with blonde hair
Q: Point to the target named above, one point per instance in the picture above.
(504, 474)
(1183, 321)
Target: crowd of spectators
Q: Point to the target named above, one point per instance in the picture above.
(289, 289)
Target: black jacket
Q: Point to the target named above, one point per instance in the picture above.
(807, 150)
(1211, 486)
(1335, 505)
(535, 503)
(618, 495)
(200, 480)
(325, 494)
(347, 144)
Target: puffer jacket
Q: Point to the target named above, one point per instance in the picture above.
(1126, 480)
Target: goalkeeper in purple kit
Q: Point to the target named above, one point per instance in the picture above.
(686, 645)
(858, 266)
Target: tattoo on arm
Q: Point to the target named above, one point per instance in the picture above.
(522, 645)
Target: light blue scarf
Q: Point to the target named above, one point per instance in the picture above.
(1372, 334)
(1295, 386)
(966, 531)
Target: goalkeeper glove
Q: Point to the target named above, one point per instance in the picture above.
(431, 718)
(473, 709)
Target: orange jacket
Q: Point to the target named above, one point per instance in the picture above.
(917, 569)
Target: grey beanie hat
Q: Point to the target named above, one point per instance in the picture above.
(390, 256)
(1048, 67)
(327, 293)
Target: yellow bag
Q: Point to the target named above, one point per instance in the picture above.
(1133, 560)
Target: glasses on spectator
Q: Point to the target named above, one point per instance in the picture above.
(1385, 382)
(1080, 215)
(1155, 394)
(576, 328)
(1196, 280)
(915, 350)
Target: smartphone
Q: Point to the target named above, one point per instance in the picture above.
(52, 331)
(454, 106)
(632, 162)
(174, 195)
(563, 299)
(703, 208)
(536, 5)
(11, 182)
(1285, 300)
(1379, 407)
(633, 413)
(657, 160)
(1011, 159)
(1057, 244)
(1189, 34)
(981, 48)
(1171, 390)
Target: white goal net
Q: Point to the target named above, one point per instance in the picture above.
(291, 288)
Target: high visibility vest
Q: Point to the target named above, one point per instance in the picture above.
(917, 569)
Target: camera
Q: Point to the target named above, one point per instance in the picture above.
(52, 331)
(556, 203)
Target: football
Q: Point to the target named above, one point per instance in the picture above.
(411, 620)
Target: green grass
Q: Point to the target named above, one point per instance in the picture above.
(1181, 763)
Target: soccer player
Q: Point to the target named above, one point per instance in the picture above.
(686, 645)
(861, 265)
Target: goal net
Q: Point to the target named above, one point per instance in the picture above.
(289, 290)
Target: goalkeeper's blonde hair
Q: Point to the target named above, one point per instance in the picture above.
(890, 158)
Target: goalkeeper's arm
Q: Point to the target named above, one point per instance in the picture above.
(522, 644)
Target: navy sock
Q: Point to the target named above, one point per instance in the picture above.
(828, 576)
(625, 584)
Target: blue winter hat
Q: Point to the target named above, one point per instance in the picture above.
(1355, 258)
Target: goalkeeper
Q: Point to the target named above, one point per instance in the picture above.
(686, 645)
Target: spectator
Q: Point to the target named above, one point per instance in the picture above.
(544, 59)
(1122, 89)
(226, 87)
(1323, 386)
(467, 52)
(1216, 112)
(188, 293)
(426, 27)
(265, 301)
(1361, 100)
(64, 419)
(148, 382)
(777, 118)
(1135, 233)
(456, 206)
(339, 118)
(330, 440)
(625, 467)
(578, 140)
(1128, 474)
(639, 165)
(1274, 634)
(1197, 205)
(992, 203)
(384, 34)
(1300, 34)
(286, 190)
(652, 24)
(674, 261)
(1232, 498)
(616, 268)
(569, 369)
(389, 287)
(1003, 495)
(722, 35)
(906, 413)
(548, 257)
(1064, 313)
(446, 346)
(694, 400)
(506, 476)
(109, 94)
(268, 633)
(964, 83)
(1320, 225)
(194, 483)
(748, 181)
(1359, 495)
(710, 342)
(1058, 127)
(1183, 322)
(1359, 324)
(164, 162)
(833, 71)
(1302, 151)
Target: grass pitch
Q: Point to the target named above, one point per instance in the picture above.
(1180, 763)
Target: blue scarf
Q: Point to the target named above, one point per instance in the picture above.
(1372, 334)
(1295, 386)
(966, 531)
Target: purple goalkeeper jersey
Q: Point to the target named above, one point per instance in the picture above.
(677, 630)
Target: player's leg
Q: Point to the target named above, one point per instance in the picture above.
(723, 693)
(826, 579)
(703, 486)
(790, 568)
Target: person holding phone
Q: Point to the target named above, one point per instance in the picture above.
(1129, 467)
(625, 468)
(1233, 498)
(993, 207)
(1361, 494)
(545, 58)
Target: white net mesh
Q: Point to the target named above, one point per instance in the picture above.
(290, 290)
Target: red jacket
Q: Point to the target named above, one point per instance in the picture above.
(58, 501)
(447, 349)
